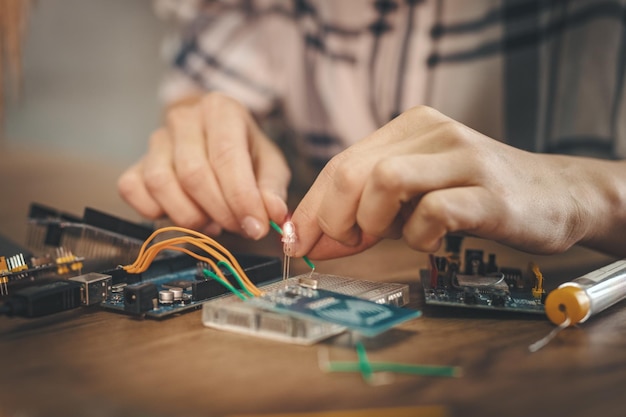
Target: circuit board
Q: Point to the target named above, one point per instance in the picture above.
(362, 316)
(157, 281)
(475, 283)
(289, 312)
(75, 261)
(21, 268)
(104, 240)
(172, 286)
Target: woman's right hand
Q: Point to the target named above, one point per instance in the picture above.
(210, 168)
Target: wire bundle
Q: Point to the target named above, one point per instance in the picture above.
(218, 256)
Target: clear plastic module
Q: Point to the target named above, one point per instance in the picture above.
(231, 314)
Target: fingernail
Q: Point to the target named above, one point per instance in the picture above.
(281, 205)
(275, 204)
(252, 228)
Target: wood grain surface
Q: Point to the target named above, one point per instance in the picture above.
(89, 362)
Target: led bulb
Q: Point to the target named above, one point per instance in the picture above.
(289, 237)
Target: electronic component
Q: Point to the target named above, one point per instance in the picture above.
(160, 282)
(95, 287)
(22, 267)
(356, 314)
(179, 275)
(67, 262)
(97, 236)
(231, 314)
(197, 290)
(43, 297)
(166, 297)
(177, 293)
(538, 291)
(288, 237)
(140, 298)
(475, 283)
(307, 282)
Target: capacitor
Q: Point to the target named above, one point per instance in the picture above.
(178, 293)
(587, 295)
(166, 297)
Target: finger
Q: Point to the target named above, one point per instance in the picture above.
(304, 217)
(133, 190)
(276, 207)
(192, 167)
(415, 122)
(468, 209)
(226, 125)
(428, 129)
(328, 248)
(394, 231)
(397, 181)
(163, 186)
(337, 210)
(212, 229)
(273, 176)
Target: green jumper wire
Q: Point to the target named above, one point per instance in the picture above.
(234, 273)
(367, 368)
(226, 284)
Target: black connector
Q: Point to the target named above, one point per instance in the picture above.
(140, 298)
(97, 218)
(43, 298)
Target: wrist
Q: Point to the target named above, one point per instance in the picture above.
(600, 193)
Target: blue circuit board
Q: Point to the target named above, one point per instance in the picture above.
(116, 301)
(180, 279)
(480, 296)
(363, 316)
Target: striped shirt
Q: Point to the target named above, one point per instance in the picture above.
(546, 76)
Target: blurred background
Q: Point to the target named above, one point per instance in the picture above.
(91, 70)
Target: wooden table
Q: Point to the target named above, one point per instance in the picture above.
(89, 362)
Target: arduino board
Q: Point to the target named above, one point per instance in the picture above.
(174, 285)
